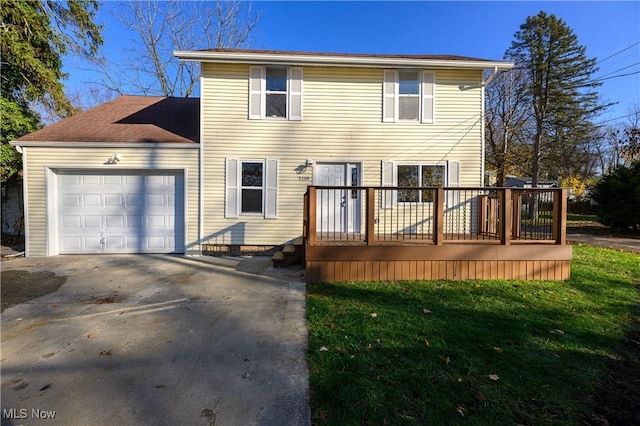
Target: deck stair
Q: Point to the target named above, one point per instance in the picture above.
(290, 254)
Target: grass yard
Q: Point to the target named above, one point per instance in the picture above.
(471, 352)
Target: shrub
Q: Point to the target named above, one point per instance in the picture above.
(618, 198)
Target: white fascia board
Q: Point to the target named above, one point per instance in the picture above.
(329, 60)
(58, 144)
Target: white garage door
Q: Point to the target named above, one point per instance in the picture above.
(120, 212)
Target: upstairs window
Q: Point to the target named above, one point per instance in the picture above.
(275, 93)
(408, 96)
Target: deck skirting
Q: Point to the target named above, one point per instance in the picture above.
(449, 262)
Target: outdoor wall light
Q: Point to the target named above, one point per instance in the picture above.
(309, 162)
(115, 158)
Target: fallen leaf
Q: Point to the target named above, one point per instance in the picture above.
(91, 335)
(427, 342)
(497, 349)
(246, 376)
(373, 315)
(324, 349)
(105, 353)
(494, 377)
(447, 360)
(557, 331)
(426, 311)
(460, 411)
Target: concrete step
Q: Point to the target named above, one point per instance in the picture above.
(290, 254)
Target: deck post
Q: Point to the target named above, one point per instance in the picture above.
(370, 217)
(438, 218)
(311, 220)
(560, 216)
(516, 215)
(505, 217)
(305, 215)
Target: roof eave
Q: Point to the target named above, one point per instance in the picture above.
(330, 60)
(81, 144)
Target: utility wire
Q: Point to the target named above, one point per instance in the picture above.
(618, 70)
(619, 52)
(614, 119)
(616, 76)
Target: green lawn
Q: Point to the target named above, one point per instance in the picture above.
(580, 218)
(469, 352)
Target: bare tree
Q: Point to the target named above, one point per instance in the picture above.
(507, 114)
(148, 66)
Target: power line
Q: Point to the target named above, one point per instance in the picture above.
(617, 53)
(617, 76)
(614, 119)
(618, 70)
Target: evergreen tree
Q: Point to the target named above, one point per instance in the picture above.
(560, 92)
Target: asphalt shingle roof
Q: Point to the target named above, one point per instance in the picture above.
(127, 119)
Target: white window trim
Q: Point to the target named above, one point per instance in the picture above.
(417, 96)
(276, 92)
(445, 180)
(233, 188)
(258, 98)
(389, 177)
(262, 187)
(391, 97)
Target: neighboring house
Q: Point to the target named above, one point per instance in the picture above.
(145, 174)
(527, 182)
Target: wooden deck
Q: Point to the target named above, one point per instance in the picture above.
(462, 233)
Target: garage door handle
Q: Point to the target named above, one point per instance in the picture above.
(102, 240)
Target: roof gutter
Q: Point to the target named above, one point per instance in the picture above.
(491, 77)
(270, 58)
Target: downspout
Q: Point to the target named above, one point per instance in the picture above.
(483, 124)
(201, 172)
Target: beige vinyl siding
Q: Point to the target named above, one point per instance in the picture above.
(341, 121)
(39, 158)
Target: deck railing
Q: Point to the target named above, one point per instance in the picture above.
(410, 215)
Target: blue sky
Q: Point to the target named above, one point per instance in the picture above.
(477, 29)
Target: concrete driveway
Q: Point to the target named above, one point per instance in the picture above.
(155, 340)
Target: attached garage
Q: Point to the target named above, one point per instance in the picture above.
(119, 178)
(118, 211)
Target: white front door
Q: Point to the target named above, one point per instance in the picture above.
(338, 210)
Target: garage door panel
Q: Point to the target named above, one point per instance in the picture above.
(92, 222)
(113, 180)
(156, 200)
(113, 200)
(92, 200)
(134, 200)
(70, 200)
(91, 179)
(121, 212)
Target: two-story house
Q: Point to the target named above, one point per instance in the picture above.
(229, 170)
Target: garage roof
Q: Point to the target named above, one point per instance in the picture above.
(128, 119)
